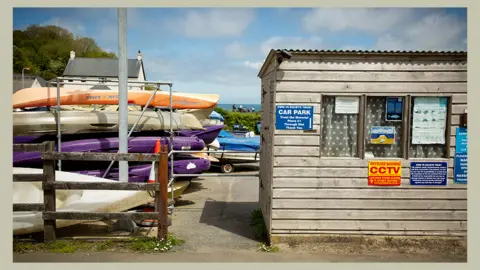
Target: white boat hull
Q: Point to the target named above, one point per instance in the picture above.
(69, 200)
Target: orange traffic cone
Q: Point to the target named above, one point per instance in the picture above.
(151, 179)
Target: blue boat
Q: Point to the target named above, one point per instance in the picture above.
(216, 116)
(249, 146)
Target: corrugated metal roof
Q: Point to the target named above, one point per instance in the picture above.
(99, 67)
(398, 52)
(360, 53)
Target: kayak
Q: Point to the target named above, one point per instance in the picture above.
(135, 145)
(208, 135)
(141, 173)
(71, 122)
(47, 96)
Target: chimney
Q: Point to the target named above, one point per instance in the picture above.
(139, 57)
(72, 55)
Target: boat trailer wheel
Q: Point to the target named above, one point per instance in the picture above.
(226, 168)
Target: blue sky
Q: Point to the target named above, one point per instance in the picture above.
(220, 50)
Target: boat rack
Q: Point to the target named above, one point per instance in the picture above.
(157, 85)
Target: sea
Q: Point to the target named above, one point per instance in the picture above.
(228, 107)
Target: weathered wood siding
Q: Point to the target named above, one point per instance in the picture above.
(331, 195)
(266, 157)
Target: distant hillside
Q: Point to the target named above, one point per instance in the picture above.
(46, 49)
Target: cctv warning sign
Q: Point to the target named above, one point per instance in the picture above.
(384, 173)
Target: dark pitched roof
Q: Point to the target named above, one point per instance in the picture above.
(100, 87)
(100, 67)
(359, 52)
(28, 80)
(41, 81)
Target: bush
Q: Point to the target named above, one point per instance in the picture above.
(246, 119)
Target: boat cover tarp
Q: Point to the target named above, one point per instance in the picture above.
(230, 142)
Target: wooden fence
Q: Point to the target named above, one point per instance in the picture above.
(49, 185)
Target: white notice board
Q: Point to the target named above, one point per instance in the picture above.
(346, 105)
(429, 120)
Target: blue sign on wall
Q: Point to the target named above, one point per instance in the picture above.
(460, 169)
(394, 111)
(294, 117)
(428, 173)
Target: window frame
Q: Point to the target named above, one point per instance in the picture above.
(406, 125)
(361, 111)
(448, 125)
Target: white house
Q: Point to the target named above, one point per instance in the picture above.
(80, 69)
(27, 81)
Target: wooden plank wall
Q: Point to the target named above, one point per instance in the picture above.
(313, 195)
(266, 149)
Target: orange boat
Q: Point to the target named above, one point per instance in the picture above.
(46, 96)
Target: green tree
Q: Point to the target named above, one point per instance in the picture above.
(247, 119)
(46, 50)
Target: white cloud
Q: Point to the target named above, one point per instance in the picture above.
(351, 48)
(389, 42)
(235, 81)
(188, 68)
(435, 31)
(255, 65)
(370, 20)
(236, 50)
(212, 22)
(392, 28)
(291, 43)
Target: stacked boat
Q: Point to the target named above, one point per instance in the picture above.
(89, 123)
(86, 130)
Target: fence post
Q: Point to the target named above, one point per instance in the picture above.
(162, 193)
(49, 226)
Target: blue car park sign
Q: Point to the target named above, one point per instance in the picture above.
(460, 169)
(294, 117)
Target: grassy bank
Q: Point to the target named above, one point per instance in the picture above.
(138, 244)
(247, 119)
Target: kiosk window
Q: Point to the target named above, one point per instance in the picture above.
(339, 130)
(428, 118)
(384, 127)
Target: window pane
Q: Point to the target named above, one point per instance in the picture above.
(339, 131)
(375, 113)
(429, 121)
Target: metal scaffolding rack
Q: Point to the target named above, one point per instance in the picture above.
(171, 153)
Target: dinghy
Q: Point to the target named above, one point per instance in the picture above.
(74, 200)
(46, 96)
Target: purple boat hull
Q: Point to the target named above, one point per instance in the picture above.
(135, 144)
(141, 173)
(208, 136)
